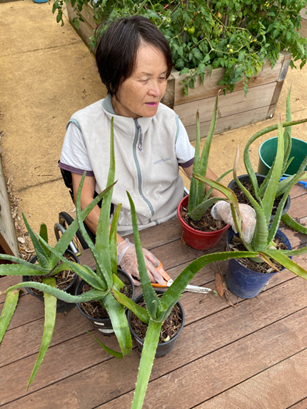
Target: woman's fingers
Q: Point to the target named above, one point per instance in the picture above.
(154, 275)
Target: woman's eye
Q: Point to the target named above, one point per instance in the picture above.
(145, 81)
(162, 78)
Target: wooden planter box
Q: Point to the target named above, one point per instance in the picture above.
(234, 110)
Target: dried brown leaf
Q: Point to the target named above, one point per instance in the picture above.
(219, 286)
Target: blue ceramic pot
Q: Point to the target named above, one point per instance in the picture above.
(246, 283)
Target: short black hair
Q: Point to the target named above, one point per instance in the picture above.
(117, 49)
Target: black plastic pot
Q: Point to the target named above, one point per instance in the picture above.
(260, 179)
(104, 325)
(242, 281)
(62, 306)
(165, 347)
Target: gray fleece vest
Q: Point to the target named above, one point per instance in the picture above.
(145, 161)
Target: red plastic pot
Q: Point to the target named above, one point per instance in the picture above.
(199, 240)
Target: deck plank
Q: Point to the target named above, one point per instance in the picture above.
(299, 405)
(233, 350)
(26, 339)
(214, 332)
(279, 386)
(224, 368)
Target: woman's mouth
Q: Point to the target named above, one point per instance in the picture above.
(151, 104)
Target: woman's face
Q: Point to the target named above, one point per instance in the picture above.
(140, 94)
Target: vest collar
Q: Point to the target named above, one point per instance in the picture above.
(121, 121)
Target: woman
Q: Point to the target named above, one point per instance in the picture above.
(134, 61)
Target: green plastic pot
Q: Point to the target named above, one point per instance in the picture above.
(267, 154)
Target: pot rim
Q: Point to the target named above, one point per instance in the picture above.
(80, 285)
(163, 343)
(231, 232)
(65, 289)
(191, 229)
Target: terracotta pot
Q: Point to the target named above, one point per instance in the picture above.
(199, 240)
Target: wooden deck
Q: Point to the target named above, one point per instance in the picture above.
(232, 354)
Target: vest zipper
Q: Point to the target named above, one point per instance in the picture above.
(135, 143)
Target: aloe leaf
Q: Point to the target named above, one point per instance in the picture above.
(137, 310)
(218, 180)
(269, 195)
(194, 183)
(233, 204)
(287, 263)
(260, 237)
(102, 236)
(203, 164)
(117, 282)
(287, 131)
(66, 238)
(83, 271)
(39, 251)
(113, 239)
(150, 297)
(50, 314)
(147, 358)
(110, 351)
(43, 232)
(302, 166)
(119, 321)
(297, 252)
(173, 293)
(8, 310)
(288, 221)
(283, 185)
(100, 268)
(62, 295)
(257, 135)
(201, 209)
(22, 269)
(278, 214)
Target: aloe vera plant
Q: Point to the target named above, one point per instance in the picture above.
(264, 231)
(199, 199)
(158, 309)
(285, 160)
(105, 278)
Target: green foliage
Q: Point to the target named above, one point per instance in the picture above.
(199, 200)
(158, 309)
(284, 161)
(236, 35)
(265, 230)
(48, 265)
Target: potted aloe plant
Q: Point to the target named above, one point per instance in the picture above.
(255, 179)
(196, 232)
(102, 280)
(241, 280)
(158, 309)
(66, 279)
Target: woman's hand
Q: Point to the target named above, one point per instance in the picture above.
(126, 259)
(222, 211)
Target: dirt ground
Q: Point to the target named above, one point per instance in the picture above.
(48, 73)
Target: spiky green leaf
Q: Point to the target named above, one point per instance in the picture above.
(148, 355)
(8, 311)
(50, 314)
(119, 321)
(150, 297)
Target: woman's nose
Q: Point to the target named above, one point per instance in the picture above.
(155, 89)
